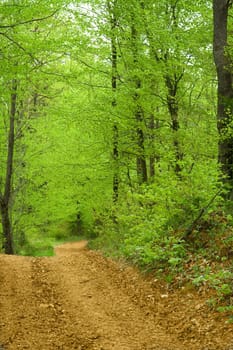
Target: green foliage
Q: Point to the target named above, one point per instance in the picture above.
(163, 108)
(37, 249)
(152, 220)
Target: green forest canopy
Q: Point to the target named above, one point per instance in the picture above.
(108, 122)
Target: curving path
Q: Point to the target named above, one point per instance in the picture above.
(80, 300)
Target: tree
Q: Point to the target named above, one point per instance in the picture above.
(6, 195)
(23, 58)
(223, 64)
(139, 113)
(121, 108)
(113, 21)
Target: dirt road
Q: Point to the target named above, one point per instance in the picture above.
(80, 300)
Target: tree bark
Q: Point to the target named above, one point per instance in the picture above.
(6, 196)
(116, 164)
(152, 155)
(141, 158)
(173, 107)
(225, 91)
(7, 229)
(113, 20)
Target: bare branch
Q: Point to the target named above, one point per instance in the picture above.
(29, 21)
(19, 46)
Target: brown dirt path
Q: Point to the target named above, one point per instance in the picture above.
(80, 300)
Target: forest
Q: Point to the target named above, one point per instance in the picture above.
(116, 125)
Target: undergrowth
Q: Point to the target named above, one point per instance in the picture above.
(154, 237)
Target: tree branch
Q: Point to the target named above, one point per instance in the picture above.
(29, 21)
(19, 46)
(203, 210)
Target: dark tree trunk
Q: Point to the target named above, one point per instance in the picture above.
(141, 157)
(173, 107)
(113, 20)
(6, 196)
(152, 156)
(171, 82)
(7, 230)
(225, 90)
(116, 164)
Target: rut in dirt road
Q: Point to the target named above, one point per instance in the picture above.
(79, 300)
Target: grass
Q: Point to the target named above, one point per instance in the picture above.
(37, 246)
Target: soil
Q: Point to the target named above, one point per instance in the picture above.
(80, 300)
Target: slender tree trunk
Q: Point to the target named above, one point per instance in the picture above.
(171, 81)
(114, 103)
(141, 158)
(113, 20)
(152, 156)
(6, 196)
(225, 90)
(173, 107)
(116, 164)
(139, 115)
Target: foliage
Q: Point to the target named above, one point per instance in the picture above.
(115, 134)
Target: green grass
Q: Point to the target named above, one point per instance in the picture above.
(39, 247)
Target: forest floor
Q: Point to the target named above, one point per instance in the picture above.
(81, 300)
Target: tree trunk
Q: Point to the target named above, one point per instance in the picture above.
(116, 164)
(173, 107)
(141, 158)
(171, 81)
(225, 90)
(152, 156)
(6, 196)
(7, 229)
(113, 20)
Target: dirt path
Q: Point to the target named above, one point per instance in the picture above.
(79, 300)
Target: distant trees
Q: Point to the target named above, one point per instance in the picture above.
(21, 60)
(129, 120)
(155, 47)
(164, 85)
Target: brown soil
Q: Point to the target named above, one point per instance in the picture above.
(80, 300)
